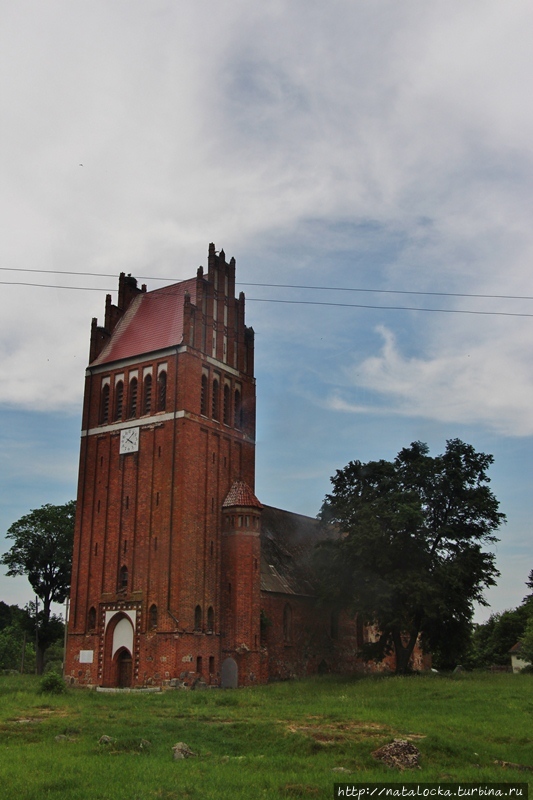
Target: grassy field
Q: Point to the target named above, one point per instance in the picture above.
(277, 741)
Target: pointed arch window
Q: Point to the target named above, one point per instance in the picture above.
(147, 398)
(203, 396)
(226, 405)
(162, 391)
(237, 410)
(91, 619)
(210, 619)
(119, 399)
(287, 624)
(132, 404)
(198, 618)
(123, 578)
(153, 616)
(104, 404)
(216, 399)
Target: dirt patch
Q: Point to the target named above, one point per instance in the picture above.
(334, 732)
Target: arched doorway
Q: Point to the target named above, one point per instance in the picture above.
(124, 669)
(118, 650)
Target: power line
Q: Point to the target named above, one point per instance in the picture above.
(389, 291)
(270, 285)
(390, 308)
(294, 302)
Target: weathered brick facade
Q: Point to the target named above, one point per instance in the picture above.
(171, 579)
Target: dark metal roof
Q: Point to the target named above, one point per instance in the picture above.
(287, 544)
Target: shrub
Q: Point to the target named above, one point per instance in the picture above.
(52, 683)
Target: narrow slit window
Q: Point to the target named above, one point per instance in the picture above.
(132, 407)
(198, 618)
(123, 578)
(215, 404)
(104, 405)
(237, 410)
(147, 405)
(203, 397)
(162, 391)
(119, 400)
(226, 404)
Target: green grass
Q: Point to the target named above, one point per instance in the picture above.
(278, 741)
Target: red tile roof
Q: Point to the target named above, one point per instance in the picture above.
(240, 494)
(153, 321)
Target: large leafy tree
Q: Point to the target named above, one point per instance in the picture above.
(409, 556)
(42, 551)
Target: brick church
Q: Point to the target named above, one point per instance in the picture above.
(180, 574)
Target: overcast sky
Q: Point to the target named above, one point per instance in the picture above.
(384, 147)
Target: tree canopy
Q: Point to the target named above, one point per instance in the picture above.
(409, 555)
(42, 550)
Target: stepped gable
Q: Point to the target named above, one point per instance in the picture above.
(287, 544)
(240, 494)
(153, 321)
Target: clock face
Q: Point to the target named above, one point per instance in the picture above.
(129, 440)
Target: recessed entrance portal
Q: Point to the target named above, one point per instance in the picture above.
(124, 669)
(119, 647)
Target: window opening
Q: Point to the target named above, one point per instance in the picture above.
(210, 619)
(104, 405)
(215, 404)
(123, 578)
(147, 394)
(237, 412)
(132, 408)
(91, 623)
(119, 399)
(162, 391)
(203, 397)
(198, 618)
(226, 405)
(153, 616)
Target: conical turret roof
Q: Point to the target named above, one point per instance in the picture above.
(240, 494)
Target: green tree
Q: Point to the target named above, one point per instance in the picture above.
(42, 551)
(17, 638)
(408, 558)
(526, 652)
(493, 639)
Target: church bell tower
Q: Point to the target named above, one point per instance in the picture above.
(168, 429)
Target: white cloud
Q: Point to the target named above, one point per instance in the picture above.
(489, 383)
(224, 121)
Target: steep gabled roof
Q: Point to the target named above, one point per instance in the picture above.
(287, 545)
(153, 321)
